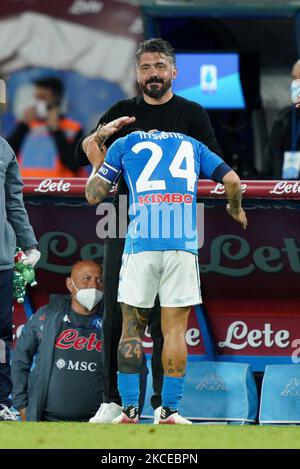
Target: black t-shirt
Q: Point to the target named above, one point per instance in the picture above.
(75, 385)
(177, 115)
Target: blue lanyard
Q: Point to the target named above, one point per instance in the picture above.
(295, 129)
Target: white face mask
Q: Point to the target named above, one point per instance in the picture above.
(41, 108)
(88, 297)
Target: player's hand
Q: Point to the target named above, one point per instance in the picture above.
(239, 217)
(94, 154)
(32, 256)
(107, 130)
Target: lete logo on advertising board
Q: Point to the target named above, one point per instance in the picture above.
(47, 185)
(284, 187)
(276, 336)
(239, 336)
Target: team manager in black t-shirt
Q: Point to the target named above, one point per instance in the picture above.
(157, 108)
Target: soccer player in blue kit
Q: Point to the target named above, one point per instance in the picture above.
(160, 257)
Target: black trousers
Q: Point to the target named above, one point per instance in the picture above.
(6, 304)
(112, 329)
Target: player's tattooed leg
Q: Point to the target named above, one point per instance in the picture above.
(130, 351)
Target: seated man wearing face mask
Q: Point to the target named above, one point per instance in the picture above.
(44, 139)
(64, 336)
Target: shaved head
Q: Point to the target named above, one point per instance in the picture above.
(81, 266)
(85, 274)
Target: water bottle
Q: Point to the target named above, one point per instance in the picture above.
(26, 270)
(23, 274)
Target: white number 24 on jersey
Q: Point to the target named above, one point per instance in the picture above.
(184, 152)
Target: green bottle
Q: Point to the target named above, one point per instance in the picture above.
(23, 274)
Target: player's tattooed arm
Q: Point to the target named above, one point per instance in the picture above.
(92, 145)
(235, 201)
(232, 185)
(96, 189)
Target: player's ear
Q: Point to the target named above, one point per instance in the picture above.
(174, 73)
(69, 284)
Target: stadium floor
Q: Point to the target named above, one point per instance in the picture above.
(87, 436)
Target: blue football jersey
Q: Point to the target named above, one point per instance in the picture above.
(161, 170)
